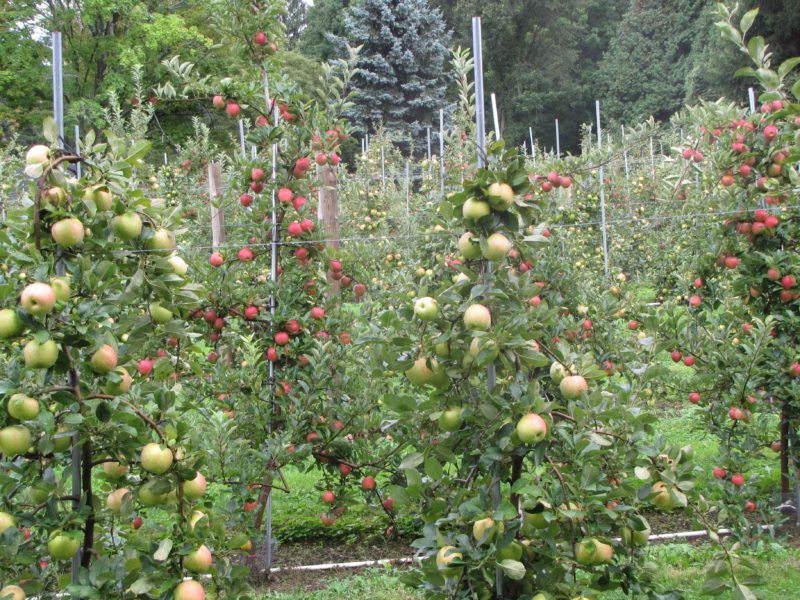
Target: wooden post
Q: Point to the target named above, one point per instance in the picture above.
(215, 192)
(328, 213)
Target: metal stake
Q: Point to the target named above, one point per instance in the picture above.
(602, 190)
(441, 152)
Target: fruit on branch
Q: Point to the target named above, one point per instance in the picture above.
(445, 556)
(14, 440)
(477, 318)
(104, 359)
(420, 374)
(359, 290)
(251, 312)
(695, 301)
(6, 521)
(488, 346)
(156, 459)
(127, 226)
(196, 517)
(497, 247)
(281, 338)
(662, 498)
(145, 367)
(40, 356)
(218, 101)
(22, 407)
(737, 480)
(317, 313)
(557, 372)
(468, 246)
(179, 266)
(328, 497)
(117, 388)
(159, 314)
(719, 473)
(285, 195)
(475, 209)
(62, 547)
(67, 232)
(114, 499)
(216, 259)
(232, 109)
(38, 299)
(368, 483)
(426, 308)
(245, 255)
(189, 590)
(60, 286)
(694, 397)
(450, 420)
(260, 38)
(676, 356)
(199, 561)
(13, 592)
(593, 552)
(573, 386)
(161, 242)
(501, 196)
(531, 429)
(114, 470)
(483, 530)
(195, 488)
(11, 325)
(635, 537)
(388, 504)
(149, 497)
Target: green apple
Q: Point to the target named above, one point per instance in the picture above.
(573, 386)
(198, 561)
(475, 209)
(162, 242)
(442, 350)
(635, 537)
(61, 287)
(156, 458)
(483, 530)
(38, 299)
(6, 521)
(196, 517)
(38, 493)
(469, 246)
(62, 547)
(62, 443)
(531, 429)
(11, 325)
(558, 372)
(662, 497)
(484, 344)
(14, 440)
(593, 552)
(114, 470)
(104, 360)
(148, 497)
(13, 592)
(67, 232)
(160, 314)
(127, 226)
(497, 247)
(450, 419)
(114, 499)
(195, 488)
(511, 552)
(117, 388)
(477, 317)
(426, 308)
(419, 373)
(23, 407)
(445, 556)
(99, 195)
(501, 196)
(178, 265)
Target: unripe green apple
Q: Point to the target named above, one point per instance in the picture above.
(178, 265)
(198, 561)
(6, 521)
(635, 537)
(127, 226)
(160, 314)
(419, 373)
(477, 317)
(573, 386)
(497, 247)
(117, 388)
(104, 360)
(23, 407)
(593, 552)
(426, 308)
(162, 242)
(531, 429)
(196, 517)
(558, 372)
(511, 552)
(474, 209)
(61, 288)
(114, 470)
(14, 440)
(148, 497)
(99, 195)
(501, 196)
(450, 420)
(156, 458)
(62, 547)
(483, 527)
(195, 488)
(11, 325)
(469, 246)
(115, 499)
(38, 299)
(478, 345)
(662, 497)
(67, 232)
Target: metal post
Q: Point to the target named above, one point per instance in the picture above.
(383, 171)
(241, 138)
(558, 141)
(165, 159)
(752, 95)
(477, 53)
(408, 195)
(58, 86)
(533, 148)
(627, 172)
(652, 159)
(496, 117)
(441, 152)
(602, 190)
(78, 147)
(428, 134)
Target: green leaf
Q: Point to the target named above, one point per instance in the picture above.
(714, 586)
(412, 461)
(50, 130)
(768, 78)
(745, 72)
(513, 568)
(796, 89)
(164, 548)
(747, 20)
(755, 48)
(729, 33)
(742, 592)
(433, 468)
(786, 66)
(140, 586)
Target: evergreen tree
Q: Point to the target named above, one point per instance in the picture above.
(324, 21)
(400, 76)
(296, 12)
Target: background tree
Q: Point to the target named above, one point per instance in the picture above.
(325, 19)
(400, 78)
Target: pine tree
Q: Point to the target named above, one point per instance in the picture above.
(400, 76)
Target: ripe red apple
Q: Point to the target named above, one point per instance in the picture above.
(232, 109)
(256, 174)
(246, 255)
(736, 413)
(38, 299)
(770, 133)
(737, 480)
(787, 281)
(307, 225)
(633, 325)
(749, 506)
(535, 301)
(328, 497)
(359, 290)
(676, 355)
(368, 483)
(328, 519)
(285, 195)
(218, 101)
(531, 429)
(776, 446)
(687, 153)
(260, 38)
(731, 262)
(189, 590)
(272, 354)
(317, 312)
(251, 312)
(698, 283)
(216, 259)
(688, 361)
(281, 338)
(294, 229)
(145, 366)
(344, 469)
(694, 397)
(695, 301)
(137, 522)
(388, 504)
(719, 473)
